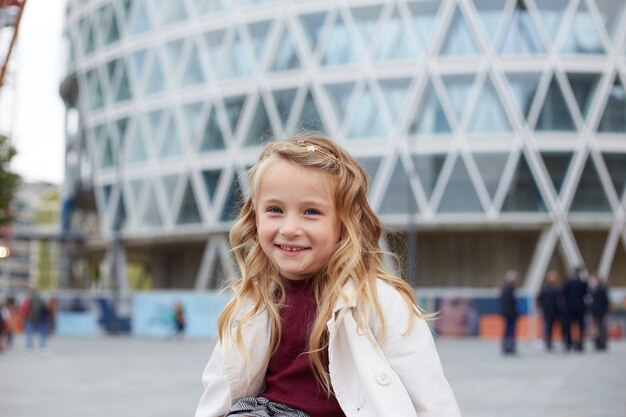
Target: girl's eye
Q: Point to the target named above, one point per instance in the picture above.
(311, 212)
(274, 210)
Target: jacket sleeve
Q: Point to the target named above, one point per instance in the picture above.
(216, 397)
(413, 356)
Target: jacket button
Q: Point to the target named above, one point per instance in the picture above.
(383, 378)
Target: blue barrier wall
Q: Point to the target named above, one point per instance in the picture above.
(153, 313)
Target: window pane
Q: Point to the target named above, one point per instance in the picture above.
(459, 195)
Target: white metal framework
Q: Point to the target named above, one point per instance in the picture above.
(466, 113)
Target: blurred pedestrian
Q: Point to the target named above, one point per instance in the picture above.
(599, 310)
(550, 302)
(179, 320)
(574, 291)
(4, 325)
(36, 318)
(508, 309)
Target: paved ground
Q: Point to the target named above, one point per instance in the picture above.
(119, 377)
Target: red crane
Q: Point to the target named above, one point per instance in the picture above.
(10, 16)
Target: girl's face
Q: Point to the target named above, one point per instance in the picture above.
(296, 219)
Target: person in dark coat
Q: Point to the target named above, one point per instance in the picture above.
(551, 303)
(599, 309)
(508, 310)
(574, 291)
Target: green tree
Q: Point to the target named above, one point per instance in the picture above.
(8, 180)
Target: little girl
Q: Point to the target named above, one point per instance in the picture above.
(316, 326)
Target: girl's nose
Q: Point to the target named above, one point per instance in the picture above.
(290, 227)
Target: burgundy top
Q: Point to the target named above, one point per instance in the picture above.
(289, 379)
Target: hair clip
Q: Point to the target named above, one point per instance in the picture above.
(314, 148)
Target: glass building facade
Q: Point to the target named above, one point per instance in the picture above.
(494, 131)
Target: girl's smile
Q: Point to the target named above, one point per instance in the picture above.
(296, 218)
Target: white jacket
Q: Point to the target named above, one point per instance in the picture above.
(401, 377)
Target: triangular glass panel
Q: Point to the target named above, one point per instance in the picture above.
(523, 87)
(111, 72)
(141, 20)
(591, 245)
(136, 187)
(424, 15)
(194, 73)
(107, 190)
(490, 14)
(312, 25)
(557, 164)
(523, 194)
(154, 123)
(260, 126)
(366, 20)
(310, 118)
(395, 92)
(192, 114)
(555, 114)
(108, 158)
(215, 48)
(213, 6)
(341, 48)
(582, 35)
(119, 220)
(234, 107)
(399, 197)
(458, 87)
(138, 60)
(430, 117)
(612, 13)
(459, 39)
(136, 148)
(173, 52)
(552, 12)
(396, 41)
(614, 116)
(152, 215)
(459, 195)
(489, 115)
(121, 126)
(339, 95)
(286, 57)
(171, 145)
(616, 165)
(491, 167)
(258, 36)
(97, 98)
(126, 11)
(584, 86)
(521, 36)
(90, 44)
(169, 183)
(211, 179)
(123, 90)
(590, 195)
(174, 12)
(156, 82)
(188, 213)
(428, 168)
(370, 165)
(366, 121)
(239, 62)
(284, 103)
(233, 202)
(212, 137)
(113, 34)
